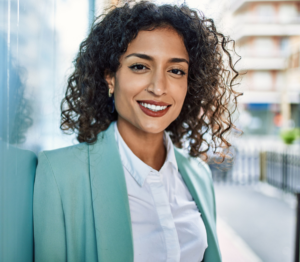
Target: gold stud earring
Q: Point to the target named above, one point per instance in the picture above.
(109, 93)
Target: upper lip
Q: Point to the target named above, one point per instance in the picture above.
(151, 102)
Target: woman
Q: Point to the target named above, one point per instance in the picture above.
(125, 193)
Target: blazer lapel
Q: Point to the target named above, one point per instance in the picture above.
(110, 200)
(199, 186)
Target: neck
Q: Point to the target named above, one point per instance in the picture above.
(146, 146)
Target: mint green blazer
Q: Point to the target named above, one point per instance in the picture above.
(81, 209)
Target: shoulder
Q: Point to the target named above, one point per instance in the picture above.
(65, 152)
(65, 160)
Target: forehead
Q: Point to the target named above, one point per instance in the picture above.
(160, 41)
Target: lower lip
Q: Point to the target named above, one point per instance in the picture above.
(152, 113)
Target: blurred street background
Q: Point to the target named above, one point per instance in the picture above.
(256, 187)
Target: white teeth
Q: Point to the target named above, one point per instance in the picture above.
(153, 107)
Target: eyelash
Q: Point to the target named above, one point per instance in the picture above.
(132, 67)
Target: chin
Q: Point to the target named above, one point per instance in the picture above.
(155, 127)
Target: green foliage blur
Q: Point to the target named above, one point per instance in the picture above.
(290, 135)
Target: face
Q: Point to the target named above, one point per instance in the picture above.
(151, 83)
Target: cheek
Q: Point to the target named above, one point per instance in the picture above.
(122, 91)
(125, 91)
(122, 99)
(180, 96)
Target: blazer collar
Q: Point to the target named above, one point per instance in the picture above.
(197, 180)
(110, 199)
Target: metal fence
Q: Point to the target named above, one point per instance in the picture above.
(243, 168)
(280, 167)
(283, 170)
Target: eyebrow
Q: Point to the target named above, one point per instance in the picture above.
(146, 57)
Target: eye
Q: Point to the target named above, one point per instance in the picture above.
(177, 72)
(138, 67)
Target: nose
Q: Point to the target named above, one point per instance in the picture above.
(158, 83)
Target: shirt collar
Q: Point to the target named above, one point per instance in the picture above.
(170, 158)
(135, 166)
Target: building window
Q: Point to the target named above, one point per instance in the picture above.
(284, 46)
(262, 80)
(264, 46)
(287, 13)
(265, 13)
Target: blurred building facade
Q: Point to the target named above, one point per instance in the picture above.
(266, 34)
(293, 75)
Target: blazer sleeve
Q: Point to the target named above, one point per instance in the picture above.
(48, 215)
(211, 187)
(213, 192)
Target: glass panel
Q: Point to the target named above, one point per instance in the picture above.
(38, 41)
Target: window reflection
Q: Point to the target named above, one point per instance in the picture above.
(38, 41)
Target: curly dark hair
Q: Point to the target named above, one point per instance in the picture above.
(210, 100)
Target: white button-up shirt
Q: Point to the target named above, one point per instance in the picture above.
(166, 223)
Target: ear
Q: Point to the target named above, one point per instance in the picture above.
(110, 79)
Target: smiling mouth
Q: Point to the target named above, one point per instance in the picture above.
(153, 108)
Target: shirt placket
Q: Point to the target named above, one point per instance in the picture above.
(165, 216)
